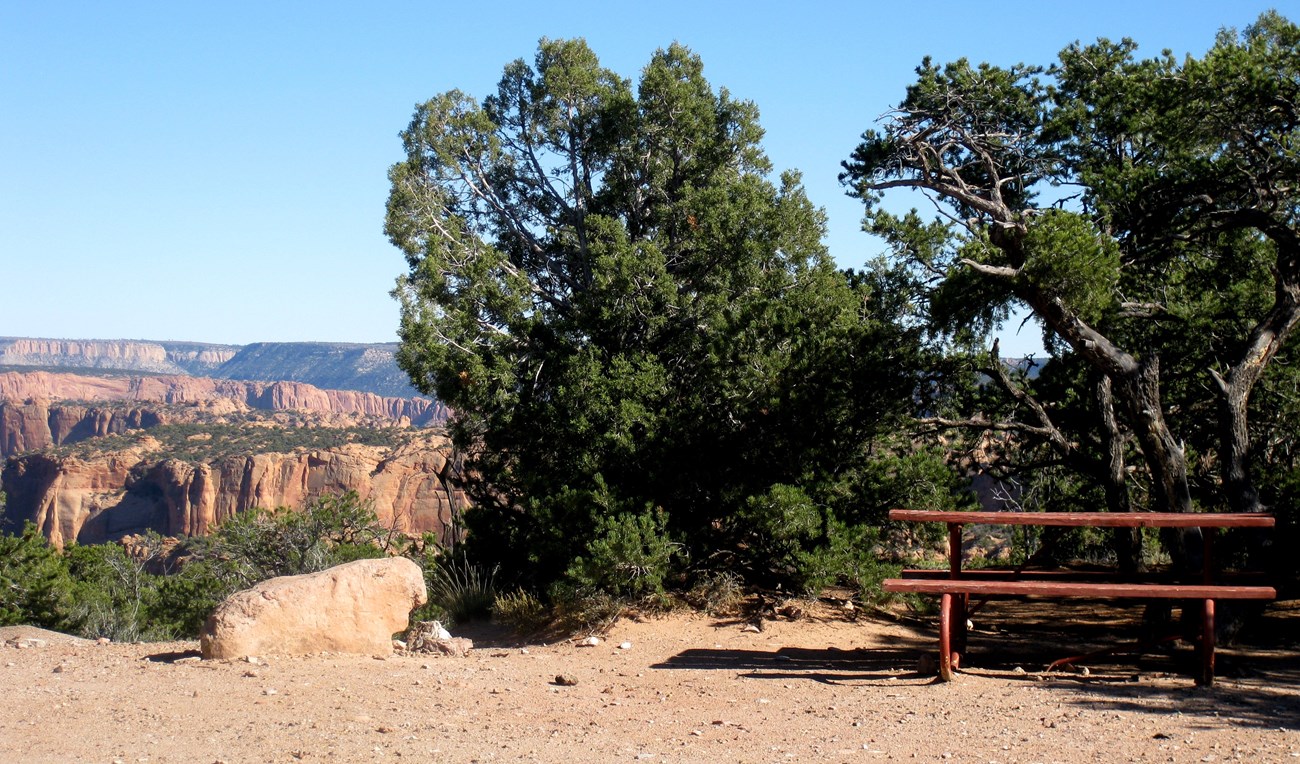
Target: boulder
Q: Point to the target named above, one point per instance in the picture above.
(351, 608)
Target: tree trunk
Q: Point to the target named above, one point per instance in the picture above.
(1127, 542)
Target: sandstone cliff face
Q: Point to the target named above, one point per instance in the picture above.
(38, 424)
(68, 498)
(93, 494)
(267, 396)
(105, 497)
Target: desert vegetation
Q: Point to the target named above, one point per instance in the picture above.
(660, 377)
(666, 390)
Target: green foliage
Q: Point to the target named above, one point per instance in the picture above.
(780, 527)
(521, 611)
(459, 590)
(630, 556)
(257, 544)
(1070, 259)
(207, 440)
(149, 590)
(114, 594)
(851, 557)
(34, 581)
(626, 309)
(1164, 269)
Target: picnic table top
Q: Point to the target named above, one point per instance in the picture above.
(1092, 519)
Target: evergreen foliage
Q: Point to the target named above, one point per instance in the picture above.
(1146, 212)
(154, 589)
(637, 326)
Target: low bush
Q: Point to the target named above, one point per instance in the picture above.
(521, 611)
(459, 590)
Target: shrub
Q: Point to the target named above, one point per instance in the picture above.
(256, 545)
(459, 590)
(630, 556)
(849, 558)
(717, 593)
(520, 610)
(114, 595)
(35, 587)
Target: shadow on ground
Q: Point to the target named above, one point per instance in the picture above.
(1014, 641)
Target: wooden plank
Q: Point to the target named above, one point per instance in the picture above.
(1077, 589)
(1092, 519)
(1063, 574)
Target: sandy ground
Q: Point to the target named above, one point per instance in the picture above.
(682, 688)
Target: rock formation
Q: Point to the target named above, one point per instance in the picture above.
(266, 396)
(333, 365)
(106, 495)
(37, 424)
(350, 608)
(215, 448)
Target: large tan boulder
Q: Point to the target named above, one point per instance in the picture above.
(351, 608)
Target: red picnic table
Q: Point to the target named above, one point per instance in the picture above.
(955, 590)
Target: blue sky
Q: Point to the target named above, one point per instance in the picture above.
(217, 171)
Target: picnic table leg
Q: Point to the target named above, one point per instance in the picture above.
(960, 607)
(1206, 676)
(945, 638)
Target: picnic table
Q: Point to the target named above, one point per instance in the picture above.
(957, 586)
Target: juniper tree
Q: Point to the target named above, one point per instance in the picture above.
(630, 314)
(1145, 210)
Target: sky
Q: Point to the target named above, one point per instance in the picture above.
(217, 171)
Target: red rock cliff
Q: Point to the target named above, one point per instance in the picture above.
(104, 497)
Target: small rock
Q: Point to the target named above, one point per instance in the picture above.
(589, 642)
(752, 628)
(1018, 671)
(399, 645)
(103, 641)
(625, 646)
(564, 680)
(270, 691)
(253, 659)
(58, 669)
(927, 664)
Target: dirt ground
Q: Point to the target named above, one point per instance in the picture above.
(681, 688)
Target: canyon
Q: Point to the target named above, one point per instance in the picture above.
(329, 365)
(113, 444)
